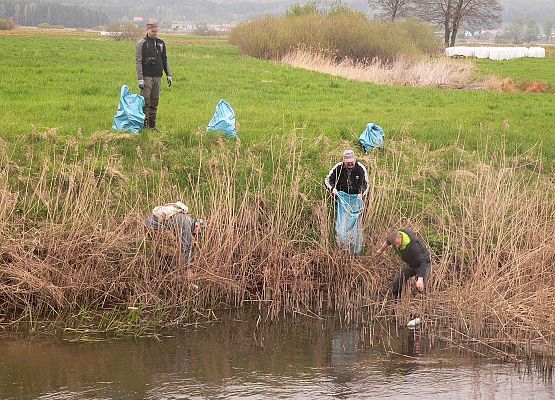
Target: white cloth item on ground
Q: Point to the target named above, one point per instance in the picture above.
(481, 52)
(495, 53)
(536, 52)
(413, 322)
(167, 211)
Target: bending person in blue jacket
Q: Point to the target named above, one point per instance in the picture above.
(414, 253)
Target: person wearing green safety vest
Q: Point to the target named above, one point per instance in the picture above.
(414, 253)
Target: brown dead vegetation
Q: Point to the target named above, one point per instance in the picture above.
(72, 237)
(536, 87)
(439, 72)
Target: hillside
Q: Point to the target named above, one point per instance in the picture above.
(540, 10)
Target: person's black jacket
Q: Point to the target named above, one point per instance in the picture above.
(151, 58)
(416, 255)
(352, 181)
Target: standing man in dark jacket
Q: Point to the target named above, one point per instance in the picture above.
(349, 176)
(413, 252)
(152, 60)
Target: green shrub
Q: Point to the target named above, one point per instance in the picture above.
(422, 35)
(124, 31)
(6, 24)
(344, 33)
(307, 9)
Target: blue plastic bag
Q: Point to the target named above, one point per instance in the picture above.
(348, 226)
(130, 116)
(371, 137)
(223, 120)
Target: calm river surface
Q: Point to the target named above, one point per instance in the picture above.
(233, 359)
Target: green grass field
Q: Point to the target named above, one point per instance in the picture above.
(72, 82)
(523, 69)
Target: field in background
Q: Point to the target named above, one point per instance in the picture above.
(522, 69)
(73, 196)
(73, 83)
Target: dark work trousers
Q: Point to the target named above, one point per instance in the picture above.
(151, 93)
(401, 277)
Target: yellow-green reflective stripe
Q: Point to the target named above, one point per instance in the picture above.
(405, 240)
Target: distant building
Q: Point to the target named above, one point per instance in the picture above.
(105, 33)
(183, 26)
(192, 26)
(138, 19)
(221, 27)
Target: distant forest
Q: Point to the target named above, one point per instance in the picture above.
(538, 10)
(88, 13)
(93, 13)
(32, 13)
(204, 11)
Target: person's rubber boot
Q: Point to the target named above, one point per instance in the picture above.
(152, 123)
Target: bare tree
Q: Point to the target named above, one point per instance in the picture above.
(328, 6)
(452, 14)
(531, 31)
(548, 29)
(515, 30)
(391, 9)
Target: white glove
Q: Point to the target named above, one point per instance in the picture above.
(334, 191)
(360, 196)
(141, 84)
(170, 80)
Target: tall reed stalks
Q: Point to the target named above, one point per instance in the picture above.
(438, 72)
(72, 236)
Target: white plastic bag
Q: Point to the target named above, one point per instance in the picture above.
(165, 212)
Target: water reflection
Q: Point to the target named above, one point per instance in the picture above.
(234, 359)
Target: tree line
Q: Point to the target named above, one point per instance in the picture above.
(520, 31)
(452, 15)
(33, 13)
(200, 11)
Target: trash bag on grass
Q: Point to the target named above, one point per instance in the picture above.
(371, 137)
(129, 116)
(223, 120)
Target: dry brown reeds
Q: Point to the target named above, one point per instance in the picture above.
(499, 84)
(72, 237)
(508, 85)
(427, 72)
(536, 87)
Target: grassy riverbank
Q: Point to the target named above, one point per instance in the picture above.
(73, 198)
(73, 82)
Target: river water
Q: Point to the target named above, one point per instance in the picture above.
(235, 358)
